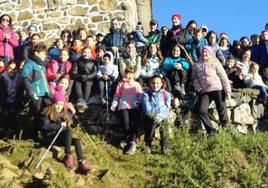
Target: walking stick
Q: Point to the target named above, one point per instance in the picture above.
(43, 157)
(107, 101)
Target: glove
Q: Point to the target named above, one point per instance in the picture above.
(113, 107)
(84, 78)
(63, 124)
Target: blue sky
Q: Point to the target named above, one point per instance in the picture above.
(235, 17)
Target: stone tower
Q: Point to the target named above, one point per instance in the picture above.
(52, 16)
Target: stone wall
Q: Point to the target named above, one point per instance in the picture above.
(52, 16)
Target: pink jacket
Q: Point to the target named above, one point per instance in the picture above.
(210, 76)
(53, 67)
(7, 50)
(127, 95)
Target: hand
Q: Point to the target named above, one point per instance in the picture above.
(63, 124)
(105, 77)
(84, 78)
(178, 66)
(114, 49)
(113, 107)
(6, 36)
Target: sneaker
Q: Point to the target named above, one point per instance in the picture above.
(148, 150)
(83, 167)
(68, 161)
(132, 148)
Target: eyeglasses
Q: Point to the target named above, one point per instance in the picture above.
(5, 20)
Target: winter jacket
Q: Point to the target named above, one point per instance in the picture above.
(127, 94)
(54, 53)
(115, 38)
(152, 67)
(156, 103)
(132, 62)
(194, 48)
(139, 39)
(84, 70)
(34, 77)
(252, 81)
(154, 37)
(218, 52)
(109, 70)
(210, 76)
(262, 54)
(171, 62)
(6, 48)
(53, 69)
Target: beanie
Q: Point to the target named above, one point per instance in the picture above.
(209, 49)
(59, 95)
(153, 22)
(179, 16)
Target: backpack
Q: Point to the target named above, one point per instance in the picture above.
(164, 95)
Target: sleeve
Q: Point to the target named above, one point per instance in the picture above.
(115, 73)
(74, 74)
(122, 67)
(142, 38)
(27, 74)
(13, 41)
(248, 79)
(224, 78)
(92, 74)
(185, 64)
(117, 94)
(195, 79)
(51, 72)
(168, 64)
(145, 104)
(138, 67)
(99, 73)
(47, 125)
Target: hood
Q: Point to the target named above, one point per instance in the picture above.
(110, 54)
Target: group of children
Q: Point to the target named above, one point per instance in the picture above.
(130, 71)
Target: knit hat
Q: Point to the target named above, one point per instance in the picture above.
(209, 49)
(153, 22)
(139, 26)
(59, 95)
(179, 16)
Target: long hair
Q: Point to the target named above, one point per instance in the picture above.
(147, 54)
(53, 115)
(10, 20)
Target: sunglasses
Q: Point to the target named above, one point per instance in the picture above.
(5, 19)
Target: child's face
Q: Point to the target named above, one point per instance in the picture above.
(254, 69)
(82, 35)
(230, 63)
(35, 39)
(246, 55)
(198, 36)
(100, 53)
(176, 52)
(42, 55)
(129, 76)
(64, 56)
(87, 53)
(131, 49)
(212, 38)
(156, 84)
(106, 60)
(59, 106)
(152, 49)
(11, 70)
(99, 39)
(175, 20)
(64, 83)
(60, 44)
(90, 41)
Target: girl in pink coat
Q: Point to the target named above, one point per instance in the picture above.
(8, 38)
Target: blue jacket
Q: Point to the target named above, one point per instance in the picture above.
(156, 103)
(34, 78)
(194, 48)
(262, 54)
(115, 38)
(170, 63)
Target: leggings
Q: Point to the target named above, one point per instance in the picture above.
(83, 89)
(130, 118)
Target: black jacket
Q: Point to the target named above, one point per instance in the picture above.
(84, 70)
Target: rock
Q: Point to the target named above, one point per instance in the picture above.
(24, 4)
(103, 27)
(7, 7)
(92, 2)
(39, 4)
(257, 110)
(50, 26)
(78, 11)
(53, 3)
(108, 5)
(96, 18)
(25, 15)
(56, 14)
(243, 129)
(123, 6)
(242, 115)
(68, 2)
(172, 117)
(81, 1)
(231, 103)
(41, 16)
(64, 20)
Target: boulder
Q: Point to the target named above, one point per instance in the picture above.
(242, 115)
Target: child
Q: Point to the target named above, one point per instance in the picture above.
(176, 68)
(130, 60)
(254, 80)
(11, 94)
(156, 104)
(139, 39)
(151, 62)
(52, 118)
(127, 99)
(55, 69)
(107, 74)
(84, 72)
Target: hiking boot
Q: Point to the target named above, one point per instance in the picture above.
(132, 148)
(83, 167)
(68, 161)
(148, 150)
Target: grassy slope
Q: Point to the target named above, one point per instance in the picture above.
(227, 160)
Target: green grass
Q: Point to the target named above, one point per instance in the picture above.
(195, 160)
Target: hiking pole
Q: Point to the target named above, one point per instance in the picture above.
(43, 157)
(107, 101)
(85, 131)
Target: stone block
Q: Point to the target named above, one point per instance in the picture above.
(257, 110)
(24, 4)
(64, 20)
(92, 2)
(104, 27)
(96, 18)
(68, 2)
(110, 5)
(25, 15)
(39, 4)
(51, 26)
(53, 3)
(41, 16)
(78, 11)
(242, 115)
(55, 14)
(7, 7)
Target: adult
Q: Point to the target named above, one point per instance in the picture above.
(211, 84)
(154, 35)
(8, 38)
(212, 39)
